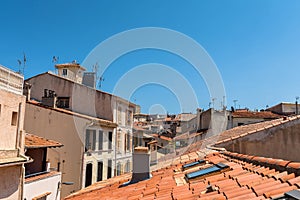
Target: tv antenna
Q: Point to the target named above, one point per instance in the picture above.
(99, 79)
(55, 59)
(21, 71)
(213, 102)
(234, 101)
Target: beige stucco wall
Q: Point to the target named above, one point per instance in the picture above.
(10, 103)
(11, 182)
(68, 130)
(11, 144)
(280, 142)
(40, 187)
(236, 121)
(59, 127)
(83, 99)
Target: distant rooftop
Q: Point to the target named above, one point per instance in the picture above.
(73, 64)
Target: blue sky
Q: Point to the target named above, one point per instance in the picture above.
(255, 44)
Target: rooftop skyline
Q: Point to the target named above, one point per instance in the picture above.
(254, 44)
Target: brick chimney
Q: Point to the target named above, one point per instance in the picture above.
(141, 164)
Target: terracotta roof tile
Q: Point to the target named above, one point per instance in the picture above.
(244, 180)
(295, 181)
(34, 141)
(250, 114)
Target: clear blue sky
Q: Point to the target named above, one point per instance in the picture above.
(254, 43)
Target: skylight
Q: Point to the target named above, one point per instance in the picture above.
(193, 164)
(203, 172)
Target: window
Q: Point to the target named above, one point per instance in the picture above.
(119, 115)
(88, 174)
(127, 166)
(64, 72)
(125, 142)
(135, 141)
(90, 140)
(118, 169)
(128, 117)
(218, 168)
(100, 136)
(109, 169)
(100, 171)
(63, 102)
(128, 142)
(119, 132)
(14, 118)
(110, 135)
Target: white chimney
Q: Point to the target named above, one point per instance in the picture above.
(141, 164)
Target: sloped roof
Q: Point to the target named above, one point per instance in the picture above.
(248, 178)
(185, 117)
(34, 141)
(250, 114)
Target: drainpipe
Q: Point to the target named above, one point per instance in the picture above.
(17, 146)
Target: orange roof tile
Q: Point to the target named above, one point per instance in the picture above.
(246, 179)
(42, 176)
(34, 141)
(250, 114)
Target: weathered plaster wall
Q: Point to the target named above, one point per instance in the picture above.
(282, 142)
(11, 182)
(82, 98)
(59, 127)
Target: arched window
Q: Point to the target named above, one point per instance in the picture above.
(118, 169)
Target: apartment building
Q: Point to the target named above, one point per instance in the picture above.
(12, 158)
(94, 126)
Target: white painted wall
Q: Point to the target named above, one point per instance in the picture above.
(39, 187)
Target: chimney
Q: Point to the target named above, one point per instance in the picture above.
(141, 164)
(49, 98)
(27, 90)
(89, 79)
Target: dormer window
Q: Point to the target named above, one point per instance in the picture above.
(64, 72)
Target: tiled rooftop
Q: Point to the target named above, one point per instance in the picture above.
(238, 132)
(250, 114)
(34, 141)
(162, 137)
(41, 176)
(248, 177)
